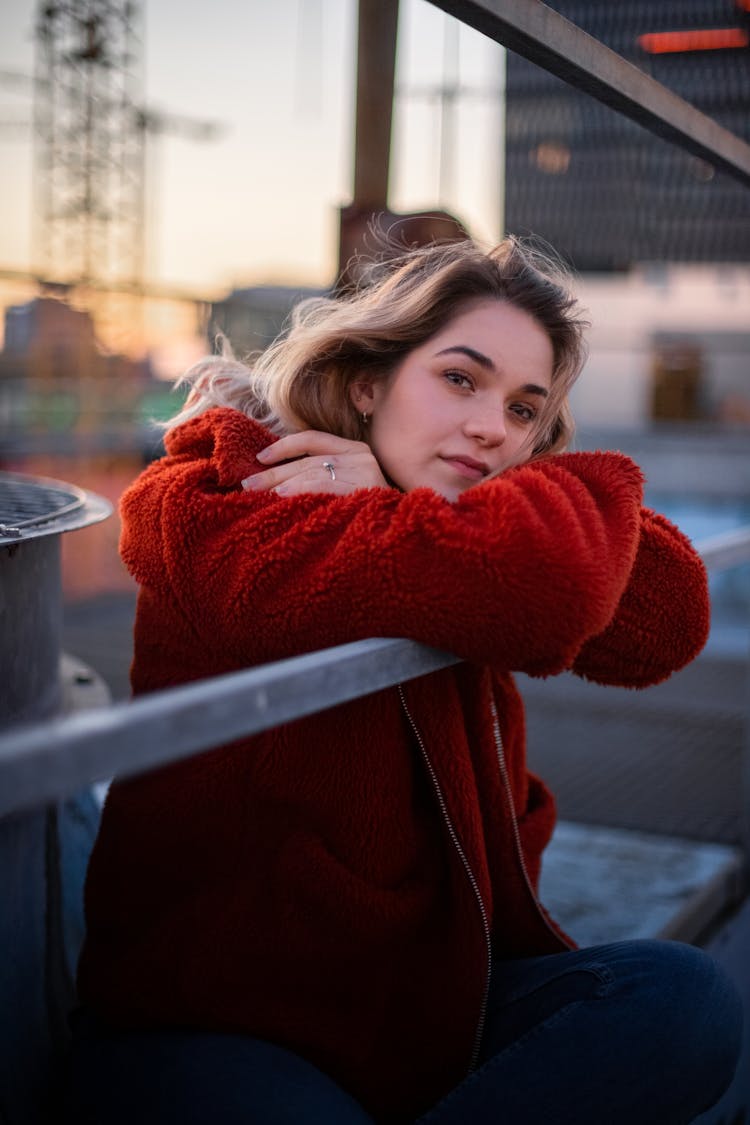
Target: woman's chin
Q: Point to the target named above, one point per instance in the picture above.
(449, 492)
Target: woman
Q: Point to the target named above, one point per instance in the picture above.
(337, 921)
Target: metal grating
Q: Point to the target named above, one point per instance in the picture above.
(602, 190)
(28, 503)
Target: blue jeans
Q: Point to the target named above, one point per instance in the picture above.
(639, 1032)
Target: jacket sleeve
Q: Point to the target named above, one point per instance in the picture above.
(519, 573)
(662, 620)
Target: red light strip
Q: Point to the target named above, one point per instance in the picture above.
(708, 39)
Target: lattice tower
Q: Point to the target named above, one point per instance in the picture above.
(89, 154)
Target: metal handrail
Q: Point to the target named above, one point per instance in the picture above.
(546, 38)
(726, 550)
(54, 759)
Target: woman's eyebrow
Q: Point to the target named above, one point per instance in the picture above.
(472, 353)
(485, 361)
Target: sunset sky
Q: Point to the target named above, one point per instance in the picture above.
(259, 204)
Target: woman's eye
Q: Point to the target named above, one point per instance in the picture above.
(458, 379)
(523, 412)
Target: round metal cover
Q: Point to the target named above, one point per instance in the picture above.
(35, 506)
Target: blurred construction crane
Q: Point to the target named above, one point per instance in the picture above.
(90, 134)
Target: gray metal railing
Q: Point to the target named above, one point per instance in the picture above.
(51, 760)
(546, 38)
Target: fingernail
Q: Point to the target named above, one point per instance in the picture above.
(249, 483)
(262, 455)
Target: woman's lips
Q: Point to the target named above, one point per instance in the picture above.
(468, 467)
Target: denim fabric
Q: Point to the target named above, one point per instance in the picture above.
(645, 1032)
(639, 1032)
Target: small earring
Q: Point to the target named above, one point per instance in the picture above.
(365, 417)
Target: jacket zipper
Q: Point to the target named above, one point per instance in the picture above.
(514, 820)
(469, 873)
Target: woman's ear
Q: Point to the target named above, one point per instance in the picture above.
(363, 397)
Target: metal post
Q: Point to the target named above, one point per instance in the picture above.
(376, 68)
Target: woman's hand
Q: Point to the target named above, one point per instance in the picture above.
(313, 461)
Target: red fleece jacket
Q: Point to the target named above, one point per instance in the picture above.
(334, 885)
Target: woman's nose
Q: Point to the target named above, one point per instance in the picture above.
(486, 426)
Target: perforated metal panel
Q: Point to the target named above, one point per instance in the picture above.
(25, 503)
(32, 507)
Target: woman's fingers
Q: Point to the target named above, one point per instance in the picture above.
(315, 472)
(307, 443)
(316, 462)
(311, 482)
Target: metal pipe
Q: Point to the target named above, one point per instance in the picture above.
(34, 511)
(730, 548)
(545, 37)
(376, 66)
(44, 762)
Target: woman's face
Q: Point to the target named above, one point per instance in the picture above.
(464, 404)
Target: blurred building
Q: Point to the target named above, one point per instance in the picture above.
(61, 393)
(252, 318)
(604, 191)
(46, 339)
(660, 239)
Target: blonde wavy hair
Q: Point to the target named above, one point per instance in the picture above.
(302, 381)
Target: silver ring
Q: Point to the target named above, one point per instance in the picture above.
(331, 470)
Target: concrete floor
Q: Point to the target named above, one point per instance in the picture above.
(667, 760)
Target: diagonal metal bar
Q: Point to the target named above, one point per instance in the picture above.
(728, 549)
(54, 759)
(546, 38)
